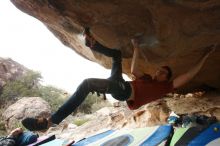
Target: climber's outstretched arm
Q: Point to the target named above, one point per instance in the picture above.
(186, 77)
(135, 64)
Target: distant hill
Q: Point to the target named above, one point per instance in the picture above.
(10, 70)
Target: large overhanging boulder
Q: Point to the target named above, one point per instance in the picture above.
(176, 31)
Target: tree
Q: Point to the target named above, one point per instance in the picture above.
(25, 86)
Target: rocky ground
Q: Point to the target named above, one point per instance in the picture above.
(117, 116)
(155, 113)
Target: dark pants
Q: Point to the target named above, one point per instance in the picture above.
(114, 85)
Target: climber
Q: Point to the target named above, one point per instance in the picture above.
(142, 90)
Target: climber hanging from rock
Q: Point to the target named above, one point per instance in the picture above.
(136, 93)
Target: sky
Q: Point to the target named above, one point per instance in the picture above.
(27, 41)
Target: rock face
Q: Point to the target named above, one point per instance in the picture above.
(176, 32)
(25, 107)
(10, 70)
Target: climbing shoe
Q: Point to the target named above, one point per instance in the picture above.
(33, 124)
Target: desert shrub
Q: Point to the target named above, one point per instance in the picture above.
(2, 126)
(55, 97)
(29, 85)
(25, 86)
(97, 106)
(86, 106)
(80, 122)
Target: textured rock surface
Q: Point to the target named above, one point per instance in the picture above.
(176, 32)
(25, 107)
(10, 70)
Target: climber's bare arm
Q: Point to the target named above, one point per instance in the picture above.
(135, 68)
(184, 78)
